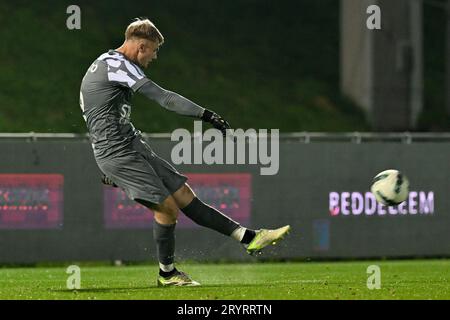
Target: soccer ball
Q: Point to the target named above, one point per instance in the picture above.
(390, 187)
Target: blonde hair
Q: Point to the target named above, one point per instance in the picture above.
(143, 29)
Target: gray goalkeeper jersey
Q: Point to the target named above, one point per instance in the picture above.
(105, 99)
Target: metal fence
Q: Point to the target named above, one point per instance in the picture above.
(305, 137)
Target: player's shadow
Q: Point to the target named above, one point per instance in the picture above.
(105, 289)
(150, 288)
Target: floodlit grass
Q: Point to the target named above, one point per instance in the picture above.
(418, 279)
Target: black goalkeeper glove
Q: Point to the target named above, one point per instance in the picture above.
(217, 121)
(108, 181)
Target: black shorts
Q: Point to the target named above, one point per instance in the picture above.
(141, 173)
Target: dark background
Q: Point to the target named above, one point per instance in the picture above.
(259, 63)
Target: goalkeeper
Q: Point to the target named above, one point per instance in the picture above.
(129, 163)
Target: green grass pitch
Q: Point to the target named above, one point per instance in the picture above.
(414, 279)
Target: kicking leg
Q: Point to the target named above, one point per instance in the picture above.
(208, 217)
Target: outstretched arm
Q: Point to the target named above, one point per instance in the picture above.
(170, 100)
(174, 102)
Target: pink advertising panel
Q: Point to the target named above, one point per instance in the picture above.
(31, 201)
(229, 192)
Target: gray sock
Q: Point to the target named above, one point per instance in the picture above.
(209, 217)
(164, 235)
